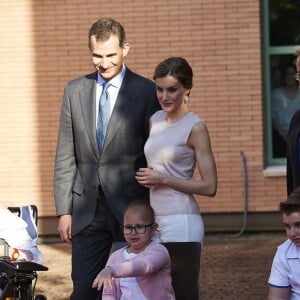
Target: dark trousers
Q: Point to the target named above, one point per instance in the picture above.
(185, 269)
(90, 251)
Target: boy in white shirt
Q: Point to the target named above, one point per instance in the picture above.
(284, 280)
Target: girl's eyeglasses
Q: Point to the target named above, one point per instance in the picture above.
(139, 228)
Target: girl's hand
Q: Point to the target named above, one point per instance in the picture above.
(104, 278)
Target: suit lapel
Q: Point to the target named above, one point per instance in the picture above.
(123, 107)
(88, 104)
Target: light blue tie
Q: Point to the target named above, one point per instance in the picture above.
(103, 116)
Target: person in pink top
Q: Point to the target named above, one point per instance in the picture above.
(178, 143)
(141, 270)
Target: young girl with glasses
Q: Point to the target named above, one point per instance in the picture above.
(141, 270)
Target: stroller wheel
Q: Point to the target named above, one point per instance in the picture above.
(40, 297)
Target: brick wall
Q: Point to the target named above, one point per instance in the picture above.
(44, 44)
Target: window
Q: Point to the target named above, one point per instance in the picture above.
(282, 97)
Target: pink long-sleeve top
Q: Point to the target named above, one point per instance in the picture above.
(151, 268)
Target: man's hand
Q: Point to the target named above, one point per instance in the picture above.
(64, 228)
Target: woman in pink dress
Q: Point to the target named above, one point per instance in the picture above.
(178, 142)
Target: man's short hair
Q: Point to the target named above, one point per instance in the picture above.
(104, 28)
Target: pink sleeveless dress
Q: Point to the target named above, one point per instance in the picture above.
(167, 151)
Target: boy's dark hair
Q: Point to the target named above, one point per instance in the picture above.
(141, 204)
(292, 204)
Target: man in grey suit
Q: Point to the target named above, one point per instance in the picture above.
(95, 181)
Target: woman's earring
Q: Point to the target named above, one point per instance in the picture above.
(186, 98)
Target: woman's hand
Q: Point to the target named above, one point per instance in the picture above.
(148, 177)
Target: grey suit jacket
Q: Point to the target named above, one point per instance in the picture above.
(79, 166)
